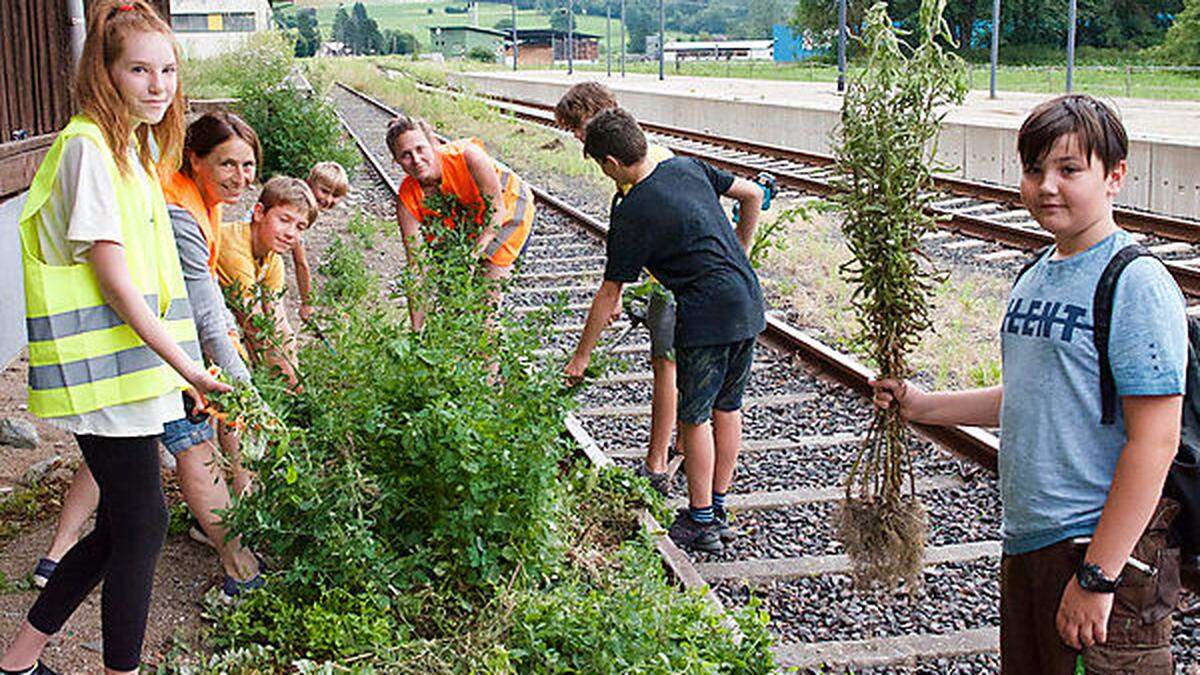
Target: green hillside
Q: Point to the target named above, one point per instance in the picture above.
(416, 17)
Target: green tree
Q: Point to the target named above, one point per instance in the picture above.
(640, 24)
(308, 38)
(1182, 43)
(819, 17)
(762, 15)
(345, 30)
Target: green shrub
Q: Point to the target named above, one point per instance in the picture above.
(481, 54)
(297, 129)
(266, 57)
(334, 625)
(633, 620)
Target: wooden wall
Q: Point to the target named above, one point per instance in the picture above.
(35, 84)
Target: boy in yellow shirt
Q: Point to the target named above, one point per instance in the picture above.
(250, 257)
(329, 184)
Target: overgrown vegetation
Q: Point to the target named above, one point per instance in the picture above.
(297, 128)
(887, 147)
(420, 511)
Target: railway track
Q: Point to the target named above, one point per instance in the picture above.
(981, 211)
(804, 416)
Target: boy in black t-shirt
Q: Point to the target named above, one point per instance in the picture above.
(671, 222)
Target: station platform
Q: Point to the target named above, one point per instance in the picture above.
(979, 137)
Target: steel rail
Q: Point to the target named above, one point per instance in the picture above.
(1028, 239)
(1136, 220)
(971, 443)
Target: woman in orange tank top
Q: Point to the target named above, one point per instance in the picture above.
(461, 168)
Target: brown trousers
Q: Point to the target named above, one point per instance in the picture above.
(1139, 628)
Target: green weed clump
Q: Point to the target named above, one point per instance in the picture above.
(297, 128)
(889, 128)
(420, 513)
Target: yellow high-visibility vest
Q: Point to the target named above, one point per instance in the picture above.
(82, 355)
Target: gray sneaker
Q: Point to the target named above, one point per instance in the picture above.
(724, 529)
(659, 481)
(687, 533)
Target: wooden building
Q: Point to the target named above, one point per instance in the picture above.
(546, 46)
(36, 68)
(38, 43)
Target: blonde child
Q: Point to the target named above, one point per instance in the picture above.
(329, 184)
(111, 339)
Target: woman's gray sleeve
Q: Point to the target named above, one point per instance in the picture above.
(208, 305)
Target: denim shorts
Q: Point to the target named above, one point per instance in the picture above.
(712, 378)
(660, 320)
(180, 434)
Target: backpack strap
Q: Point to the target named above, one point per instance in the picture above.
(1102, 309)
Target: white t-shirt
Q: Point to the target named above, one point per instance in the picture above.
(82, 209)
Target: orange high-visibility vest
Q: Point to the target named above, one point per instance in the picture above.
(182, 191)
(457, 180)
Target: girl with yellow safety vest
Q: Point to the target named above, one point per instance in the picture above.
(461, 168)
(220, 159)
(111, 337)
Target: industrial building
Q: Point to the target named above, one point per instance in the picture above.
(206, 28)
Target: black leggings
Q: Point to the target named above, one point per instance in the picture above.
(131, 525)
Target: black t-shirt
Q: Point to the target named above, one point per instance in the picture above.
(672, 224)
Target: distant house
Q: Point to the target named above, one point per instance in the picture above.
(546, 46)
(209, 27)
(721, 50)
(333, 48)
(454, 42)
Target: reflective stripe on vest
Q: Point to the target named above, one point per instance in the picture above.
(82, 356)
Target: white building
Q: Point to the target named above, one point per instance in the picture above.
(207, 28)
(713, 50)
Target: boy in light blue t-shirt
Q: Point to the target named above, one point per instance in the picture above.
(1083, 522)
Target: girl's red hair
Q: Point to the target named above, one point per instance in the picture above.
(110, 23)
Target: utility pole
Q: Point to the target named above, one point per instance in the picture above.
(514, 34)
(608, 37)
(1071, 19)
(841, 81)
(662, 28)
(622, 38)
(995, 47)
(570, 37)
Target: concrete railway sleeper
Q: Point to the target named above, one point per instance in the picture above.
(805, 413)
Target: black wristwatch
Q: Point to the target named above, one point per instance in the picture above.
(1091, 578)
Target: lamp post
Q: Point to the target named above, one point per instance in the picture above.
(841, 81)
(1071, 19)
(622, 38)
(995, 47)
(608, 38)
(662, 25)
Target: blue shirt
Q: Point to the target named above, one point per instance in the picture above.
(1056, 459)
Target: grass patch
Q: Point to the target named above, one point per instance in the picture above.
(962, 351)
(28, 506)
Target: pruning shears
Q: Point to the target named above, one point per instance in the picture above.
(636, 310)
(770, 188)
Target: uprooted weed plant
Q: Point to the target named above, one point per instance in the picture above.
(419, 511)
(888, 140)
